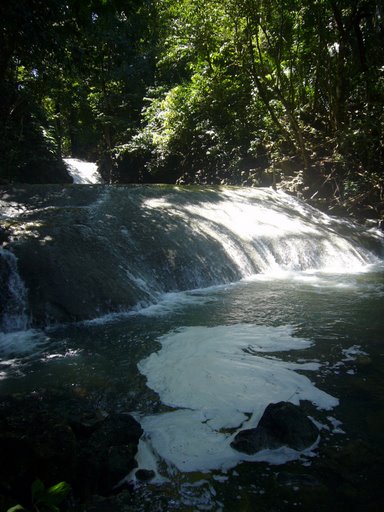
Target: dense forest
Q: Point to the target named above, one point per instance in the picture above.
(253, 92)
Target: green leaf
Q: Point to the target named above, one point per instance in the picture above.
(58, 492)
(49, 498)
(15, 508)
(37, 490)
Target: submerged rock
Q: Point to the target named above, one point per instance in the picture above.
(85, 422)
(282, 424)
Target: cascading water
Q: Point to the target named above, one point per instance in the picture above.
(82, 172)
(96, 249)
(264, 231)
(13, 297)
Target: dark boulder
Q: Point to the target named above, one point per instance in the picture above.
(34, 444)
(5, 234)
(145, 475)
(108, 455)
(282, 424)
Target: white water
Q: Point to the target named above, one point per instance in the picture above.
(221, 378)
(83, 172)
(148, 241)
(260, 230)
(20, 342)
(13, 313)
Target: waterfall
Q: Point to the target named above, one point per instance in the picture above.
(98, 249)
(13, 299)
(249, 231)
(82, 172)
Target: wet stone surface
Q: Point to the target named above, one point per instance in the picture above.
(282, 424)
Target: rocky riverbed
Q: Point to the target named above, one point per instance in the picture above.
(60, 436)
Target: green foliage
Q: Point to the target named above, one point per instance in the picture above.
(196, 90)
(45, 499)
(239, 80)
(84, 67)
(49, 499)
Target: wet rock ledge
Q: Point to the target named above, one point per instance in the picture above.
(56, 439)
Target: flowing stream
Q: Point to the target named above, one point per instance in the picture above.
(237, 298)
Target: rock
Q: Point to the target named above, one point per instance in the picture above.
(116, 430)
(55, 437)
(5, 234)
(108, 455)
(145, 475)
(33, 444)
(282, 424)
(84, 423)
(120, 461)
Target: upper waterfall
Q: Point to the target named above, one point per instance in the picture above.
(83, 172)
(84, 251)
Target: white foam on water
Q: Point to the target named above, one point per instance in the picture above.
(173, 301)
(220, 380)
(6, 366)
(336, 425)
(67, 354)
(352, 353)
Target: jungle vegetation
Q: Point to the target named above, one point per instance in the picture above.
(253, 92)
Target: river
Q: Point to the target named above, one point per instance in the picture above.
(196, 365)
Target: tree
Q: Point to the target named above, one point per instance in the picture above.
(80, 69)
(25, 44)
(228, 91)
